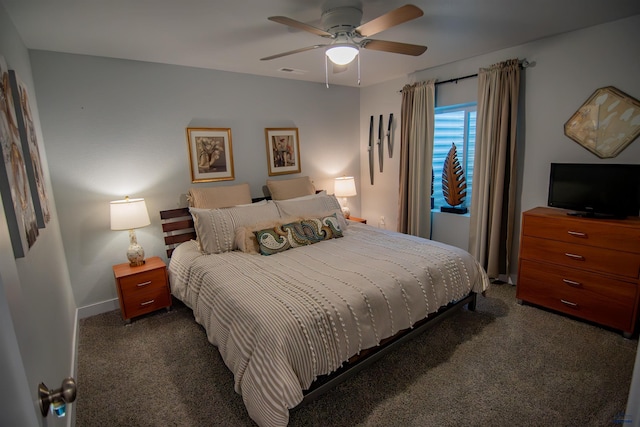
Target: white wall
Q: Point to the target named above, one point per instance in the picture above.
(117, 127)
(632, 415)
(38, 331)
(566, 70)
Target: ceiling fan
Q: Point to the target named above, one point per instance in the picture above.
(342, 26)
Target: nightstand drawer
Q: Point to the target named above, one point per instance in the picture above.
(146, 302)
(580, 256)
(597, 298)
(143, 281)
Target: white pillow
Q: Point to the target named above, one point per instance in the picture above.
(309, 196)
(215, 228)
(314, 207)
(261, 202)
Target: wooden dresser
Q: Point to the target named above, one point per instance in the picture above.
(584, 267)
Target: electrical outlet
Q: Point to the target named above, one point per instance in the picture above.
(381, 223)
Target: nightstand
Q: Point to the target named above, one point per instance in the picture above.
(353, 218)
(142, 289)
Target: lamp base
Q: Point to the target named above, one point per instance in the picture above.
(346, 212)
(137, 263)
(135, 253)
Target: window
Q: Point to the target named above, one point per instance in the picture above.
(453, 124)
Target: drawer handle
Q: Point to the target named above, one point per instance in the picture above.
(142, 304)
(577, 234)
(569, 303)
(144, 284)
(572, 283)
(574, 256)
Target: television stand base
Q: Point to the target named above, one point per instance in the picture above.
(595, 215)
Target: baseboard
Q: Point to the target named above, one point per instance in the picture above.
(98, 308)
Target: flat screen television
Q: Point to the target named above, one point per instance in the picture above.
(595, 190)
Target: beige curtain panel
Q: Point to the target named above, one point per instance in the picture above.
(494, 176)
(416, 153)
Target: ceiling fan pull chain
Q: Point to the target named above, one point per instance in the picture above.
(358, 70)
(326, 71)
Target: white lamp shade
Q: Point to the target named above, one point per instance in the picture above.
(128, 214)
(342, 54)
(345, 187)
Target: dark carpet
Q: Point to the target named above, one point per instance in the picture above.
(503, 365)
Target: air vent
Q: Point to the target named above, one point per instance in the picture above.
(291, 71)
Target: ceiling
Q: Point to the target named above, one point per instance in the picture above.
(232, 35)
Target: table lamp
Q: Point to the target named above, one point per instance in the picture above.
(129, 214)
(345, 187)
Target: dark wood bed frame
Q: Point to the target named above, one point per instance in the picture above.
(177, 227)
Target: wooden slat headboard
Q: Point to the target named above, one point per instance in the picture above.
(177, 227)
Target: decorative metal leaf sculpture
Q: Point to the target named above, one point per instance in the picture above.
(454, 184)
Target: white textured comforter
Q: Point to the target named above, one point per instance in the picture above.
(280, 321)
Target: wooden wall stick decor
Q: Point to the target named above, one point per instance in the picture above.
(390, 136)
(370, 149)
(380, 143)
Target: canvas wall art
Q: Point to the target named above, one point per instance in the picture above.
(29, 140)
(14, 184)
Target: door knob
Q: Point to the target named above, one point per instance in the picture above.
(57, 399)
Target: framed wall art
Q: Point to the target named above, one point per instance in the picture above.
(30, 150)
(14, 184)
(210, 154)
(283, 150)
(606, 123)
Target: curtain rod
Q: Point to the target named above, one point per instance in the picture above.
(455, 80)
(523, 64)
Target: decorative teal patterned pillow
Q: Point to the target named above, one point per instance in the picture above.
(296, 234)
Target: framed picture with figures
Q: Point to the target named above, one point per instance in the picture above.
(283, 150)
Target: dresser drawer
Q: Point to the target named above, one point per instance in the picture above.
(146, 301)
(578, 293)
(582, 257)
(591, 232)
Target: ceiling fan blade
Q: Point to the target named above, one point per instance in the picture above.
(394, 47)
(299, 25)
(390, 19)
(291, 52)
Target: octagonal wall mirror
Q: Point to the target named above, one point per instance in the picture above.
(606, 123)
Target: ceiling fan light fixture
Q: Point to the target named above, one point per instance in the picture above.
(342, 54)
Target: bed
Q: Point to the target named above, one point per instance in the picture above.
(295, 322)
